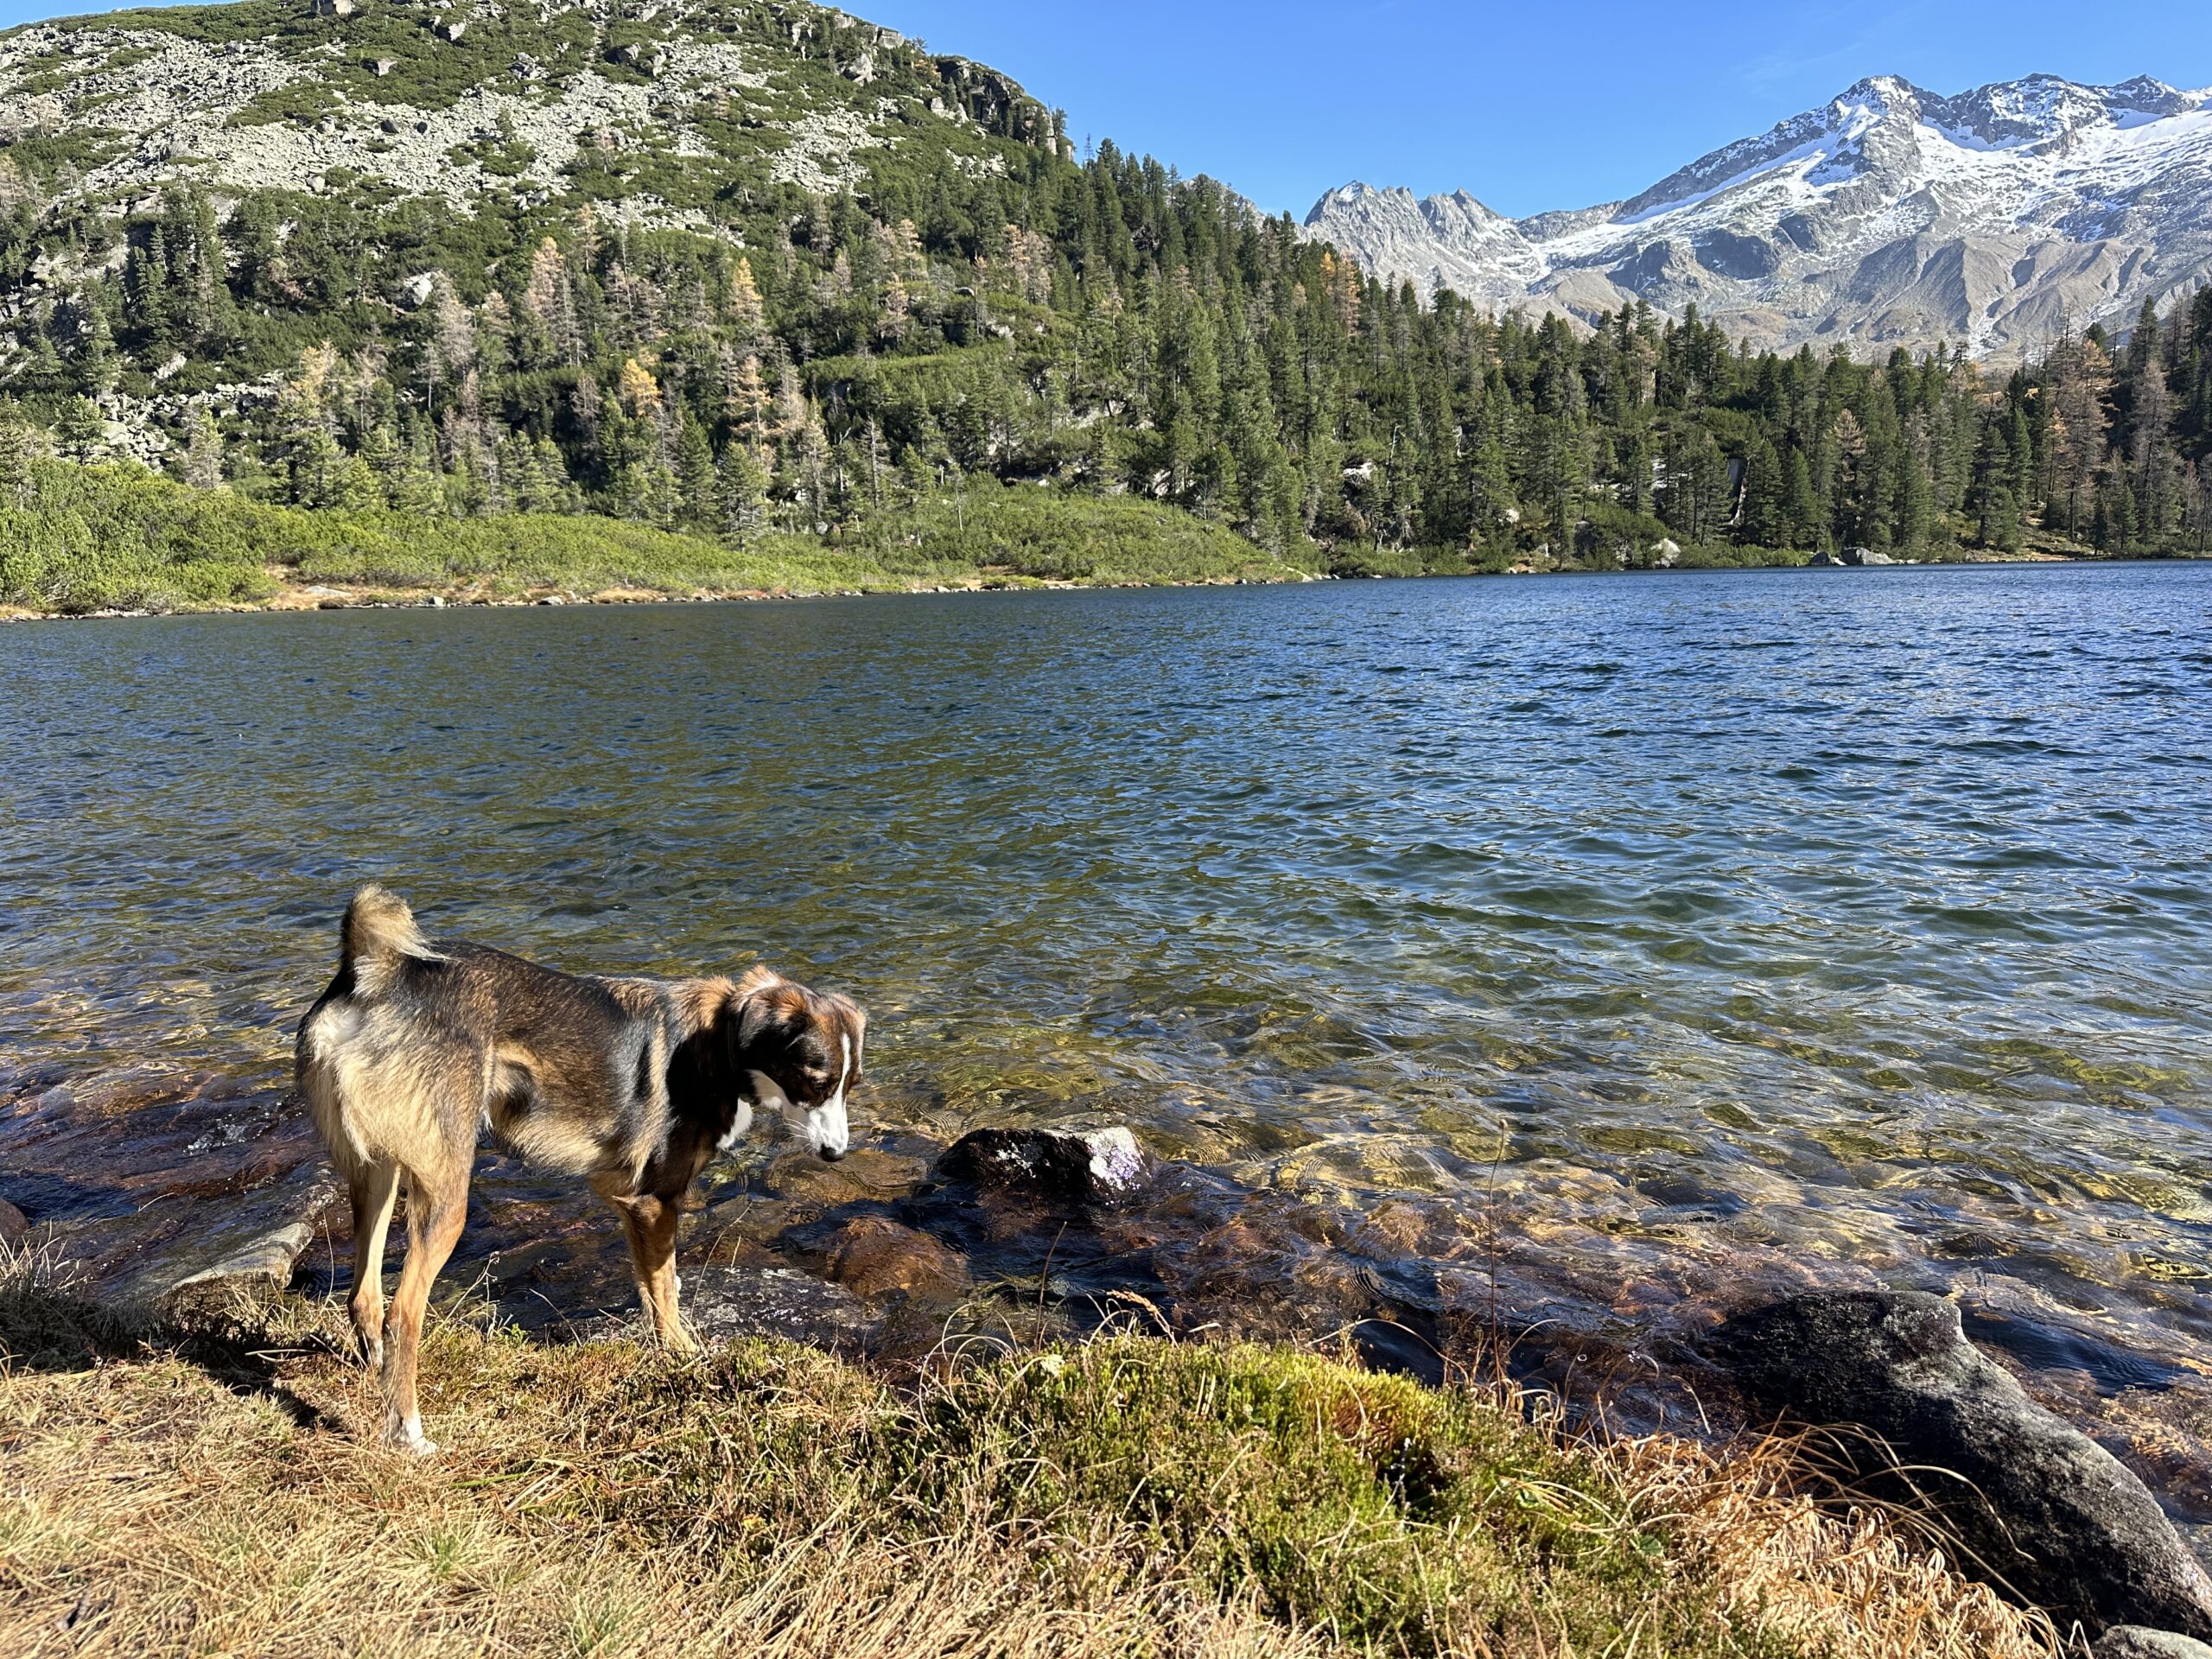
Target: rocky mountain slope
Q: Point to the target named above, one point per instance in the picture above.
(672, 114)
(455, 98)
(372, 150)
(1891, 217)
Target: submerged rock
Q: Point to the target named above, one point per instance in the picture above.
(1082, 1164)
(250, 1238)
(2042, 1508)
(733, 1304)
(874, 1254)
(865, 1172)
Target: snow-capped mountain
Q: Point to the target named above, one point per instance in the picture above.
(1891, 217)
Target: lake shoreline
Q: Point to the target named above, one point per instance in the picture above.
(1481, 1419)
(296, 597)
(875, 1510)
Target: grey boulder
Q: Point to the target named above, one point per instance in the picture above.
(2135, 1642)
(250, 1239)
(2041, 1509)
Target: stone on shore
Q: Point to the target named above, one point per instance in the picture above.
(2135, 1642)
(2047, 1512)
(1071, 1164)
(723, 1305)
(251, 1239)
(13, 1223)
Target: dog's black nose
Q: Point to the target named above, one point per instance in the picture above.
(831, 1155)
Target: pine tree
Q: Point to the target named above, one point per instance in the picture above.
(697, 486)
(1801, 511)
(1765, 522)
(201, 465)
(1916, 510)
(353, 487)
(743, 490)
(1484, 485)
(20, 447)
(415, 485)
(82, 431)
(557, 491)
(97, 368)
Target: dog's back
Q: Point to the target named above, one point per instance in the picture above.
(416, 1046)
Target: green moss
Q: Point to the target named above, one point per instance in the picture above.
(1398, 1518)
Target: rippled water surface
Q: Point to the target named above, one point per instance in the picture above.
(1699, 927)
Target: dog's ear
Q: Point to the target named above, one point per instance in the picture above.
(761, 1008)
(856, 1016)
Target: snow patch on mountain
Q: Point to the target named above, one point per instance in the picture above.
(1891, 217)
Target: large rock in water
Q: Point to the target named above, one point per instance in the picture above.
(2047, 1511)
(249, 1239)
(872, 1254)
(1085, 1164)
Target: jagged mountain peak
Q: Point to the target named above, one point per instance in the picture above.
(1890, 215)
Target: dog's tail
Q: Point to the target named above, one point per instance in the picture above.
(377, 936)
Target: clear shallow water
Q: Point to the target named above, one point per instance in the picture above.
(1685, 932)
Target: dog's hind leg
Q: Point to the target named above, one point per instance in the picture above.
(374, 1189)
(435, 1215)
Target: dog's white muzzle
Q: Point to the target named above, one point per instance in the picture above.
(825, 1127)
(826, 1131)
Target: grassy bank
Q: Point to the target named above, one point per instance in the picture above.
(207, 1492)
(110, 537)
(83, 539)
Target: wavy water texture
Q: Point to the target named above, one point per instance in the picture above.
(1688, 928)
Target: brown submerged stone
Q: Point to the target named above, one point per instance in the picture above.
(863, 1173)
(874, 1254)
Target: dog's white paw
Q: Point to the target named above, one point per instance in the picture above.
(406, 1435)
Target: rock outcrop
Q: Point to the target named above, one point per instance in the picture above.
(1925, 1418)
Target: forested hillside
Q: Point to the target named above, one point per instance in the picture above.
(750, 269)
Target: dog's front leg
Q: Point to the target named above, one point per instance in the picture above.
(650, 1222)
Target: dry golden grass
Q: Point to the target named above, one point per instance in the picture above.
(205, 1492)
(1851, 1585)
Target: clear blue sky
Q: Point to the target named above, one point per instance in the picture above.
(1545, 103)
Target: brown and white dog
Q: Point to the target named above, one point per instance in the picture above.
(418, 1045)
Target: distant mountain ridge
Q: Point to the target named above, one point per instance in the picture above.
(1891, 216)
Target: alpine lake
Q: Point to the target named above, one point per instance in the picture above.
(1538, 967)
